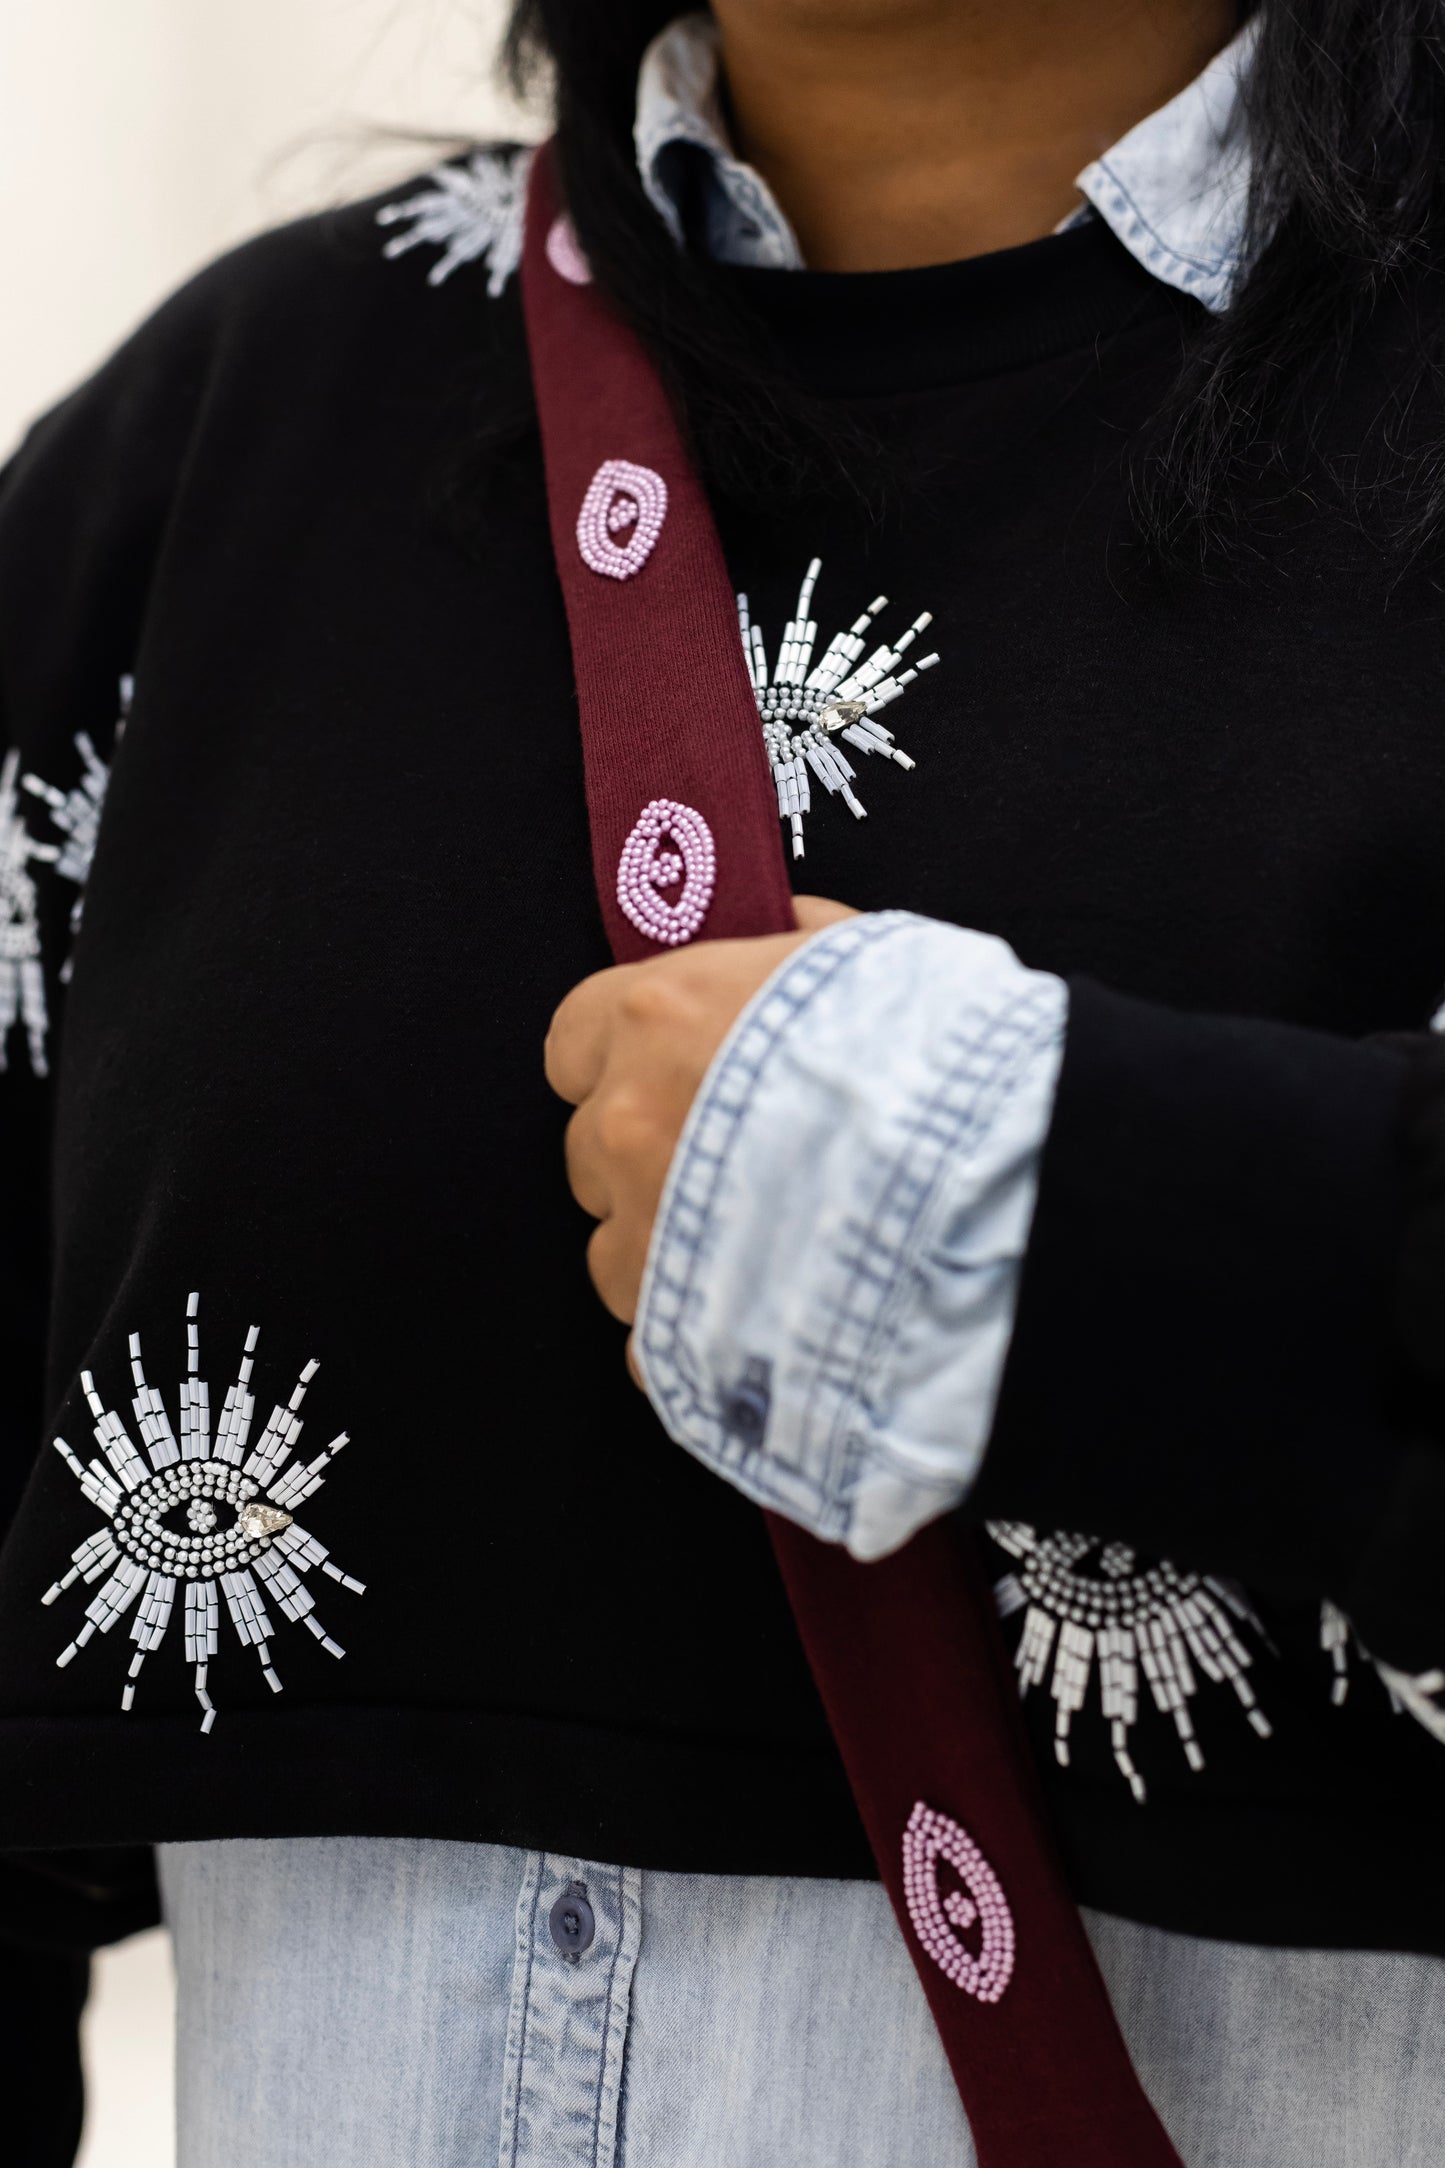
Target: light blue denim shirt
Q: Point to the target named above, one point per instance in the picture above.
(1173, 189)
(387, 2000)
(832, 1280)
(834, 1272)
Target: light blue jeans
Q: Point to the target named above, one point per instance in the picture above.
(405, 2003)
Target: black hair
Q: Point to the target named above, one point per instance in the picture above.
(1346, 103)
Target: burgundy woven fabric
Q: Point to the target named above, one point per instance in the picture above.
(920, 1694)
(659, 666)
(906, 1653)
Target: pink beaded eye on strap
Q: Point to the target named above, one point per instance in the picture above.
(621, 498)
(564, 254)
(645, 870)
(939, 1919)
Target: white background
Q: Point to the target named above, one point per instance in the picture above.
(137, 139)
(140, 137)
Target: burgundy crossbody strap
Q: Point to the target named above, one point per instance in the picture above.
(907, 1655)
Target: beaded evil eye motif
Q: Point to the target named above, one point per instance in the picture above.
(1087, 1605)
(646, 868)
(198, 1518)
(807, 707)
(941, 1918)
(621, 518)
(476, 207)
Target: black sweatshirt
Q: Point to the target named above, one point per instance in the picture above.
(343, 878)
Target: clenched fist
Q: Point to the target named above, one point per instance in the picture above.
(629, 1048)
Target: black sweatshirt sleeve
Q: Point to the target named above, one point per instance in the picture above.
(42, 1990)
(83, 511)
(1207, 1357)
(24, 1124)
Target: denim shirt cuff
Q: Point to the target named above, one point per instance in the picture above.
(834, 1270)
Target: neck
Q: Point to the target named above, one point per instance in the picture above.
(903, 132)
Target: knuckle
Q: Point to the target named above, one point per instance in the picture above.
(607, 1253)
(653, 998)
(602, 1256)
(624, 1125)
(556, 1057)
(578, 1146)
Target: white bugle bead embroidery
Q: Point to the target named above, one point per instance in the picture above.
(1419, 1694)
(22, 977)
(1119, 1619)
(76, 812)
(474, 208)
(940, 1919)
(241, 1539)
(621, 499)
(807, 707)
(646, 868)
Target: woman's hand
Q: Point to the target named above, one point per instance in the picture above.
(628, 1048)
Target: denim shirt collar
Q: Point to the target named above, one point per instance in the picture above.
(1174, 189)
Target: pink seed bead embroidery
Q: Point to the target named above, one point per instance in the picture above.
(565, 255)
(621, 495)
(643, 869)
(938, 1920)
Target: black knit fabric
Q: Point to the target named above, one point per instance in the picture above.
(342, 880)
(41, 1998)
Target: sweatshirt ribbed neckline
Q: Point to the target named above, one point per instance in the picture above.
(862, 333)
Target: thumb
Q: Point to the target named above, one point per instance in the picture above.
(813, 913)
